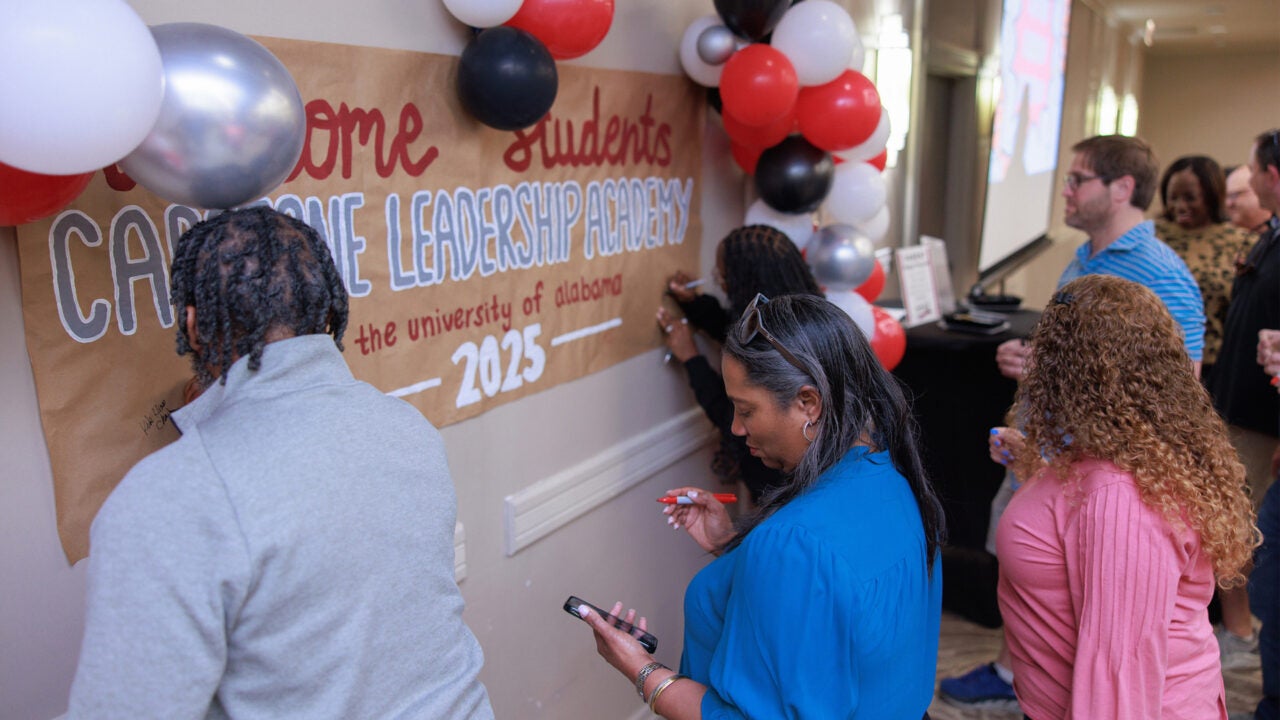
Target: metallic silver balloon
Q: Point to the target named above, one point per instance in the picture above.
(231, 125)
(840, 257)
(716, 44)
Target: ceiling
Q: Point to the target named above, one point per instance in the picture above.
(1188, 27)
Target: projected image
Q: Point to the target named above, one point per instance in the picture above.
(1028, 122)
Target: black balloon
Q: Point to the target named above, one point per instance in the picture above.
(751, 19)
(794, 176)
(507, 78)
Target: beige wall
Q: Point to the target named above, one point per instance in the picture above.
(1210, 104)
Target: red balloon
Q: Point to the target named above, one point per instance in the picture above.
(569, 28)
(758, 86)
(879, 160)
(889, 342)
(27, 196)
(840, 114)
(873, 285)
(746, 157)
(761, 137)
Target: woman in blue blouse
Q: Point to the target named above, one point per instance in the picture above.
(826, 603)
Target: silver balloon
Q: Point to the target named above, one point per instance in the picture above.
(231, 125)
(716, 44)
(840, 257)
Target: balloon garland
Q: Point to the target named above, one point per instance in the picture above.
(227, 153)
(26, 196)
(803, 121)
(219, 155)
(218, 143)
(809, 128)
(507, 73)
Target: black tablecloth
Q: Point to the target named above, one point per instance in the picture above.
(958, 396)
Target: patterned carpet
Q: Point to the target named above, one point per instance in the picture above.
(964, 645)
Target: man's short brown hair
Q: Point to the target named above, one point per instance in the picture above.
(1114, 156)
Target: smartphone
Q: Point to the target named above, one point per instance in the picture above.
(649, 642)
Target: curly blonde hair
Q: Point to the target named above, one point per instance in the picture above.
(1110, 379)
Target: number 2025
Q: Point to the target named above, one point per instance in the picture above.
(484, 362)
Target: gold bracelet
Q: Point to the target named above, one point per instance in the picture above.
(653, 699)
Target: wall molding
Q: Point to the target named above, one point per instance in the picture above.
(551, 503)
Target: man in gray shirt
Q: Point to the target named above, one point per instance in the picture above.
(291, 555)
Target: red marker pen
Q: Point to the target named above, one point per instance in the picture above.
(725, 498)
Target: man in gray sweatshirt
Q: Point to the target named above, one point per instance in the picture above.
(291, 555)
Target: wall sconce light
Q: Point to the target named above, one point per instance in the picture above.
(893, 68)
(1108, 111)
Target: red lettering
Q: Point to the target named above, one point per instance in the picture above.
(117, 179)
(611, 135)
(640, 141)
(410, 128)
(519, 154)
(332, 136)
(371, 338)
(320, 118)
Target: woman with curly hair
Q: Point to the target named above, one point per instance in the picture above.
(1136, 502)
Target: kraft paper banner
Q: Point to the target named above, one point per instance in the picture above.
(483, 266)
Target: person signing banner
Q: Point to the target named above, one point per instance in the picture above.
(291, 554)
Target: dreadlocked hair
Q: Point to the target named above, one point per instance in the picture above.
(761, 259)
(1110, 380)
(253, 275)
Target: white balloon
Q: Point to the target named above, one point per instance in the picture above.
(483, 13)
(818, 37)
(80, 84)
(694, 66)
(870, 147)
(859, 57)
(877, 227)
(855, 306)
(857, 193)
(797, 227)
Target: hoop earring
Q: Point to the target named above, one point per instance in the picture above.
(805, 430)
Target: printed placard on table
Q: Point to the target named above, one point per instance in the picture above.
(915, 277)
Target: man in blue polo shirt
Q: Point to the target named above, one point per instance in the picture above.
(1108, 188)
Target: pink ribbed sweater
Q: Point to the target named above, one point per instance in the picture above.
(1104, 603)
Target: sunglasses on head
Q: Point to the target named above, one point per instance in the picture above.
(753, 324)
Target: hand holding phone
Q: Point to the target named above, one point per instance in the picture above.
(647, 640)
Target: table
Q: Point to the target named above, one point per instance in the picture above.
(957, 395)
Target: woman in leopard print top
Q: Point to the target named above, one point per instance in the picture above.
(1195, 226)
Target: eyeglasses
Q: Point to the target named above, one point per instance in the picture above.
(753, 324)
(1074, 180)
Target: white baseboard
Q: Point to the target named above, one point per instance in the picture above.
(551, 503)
